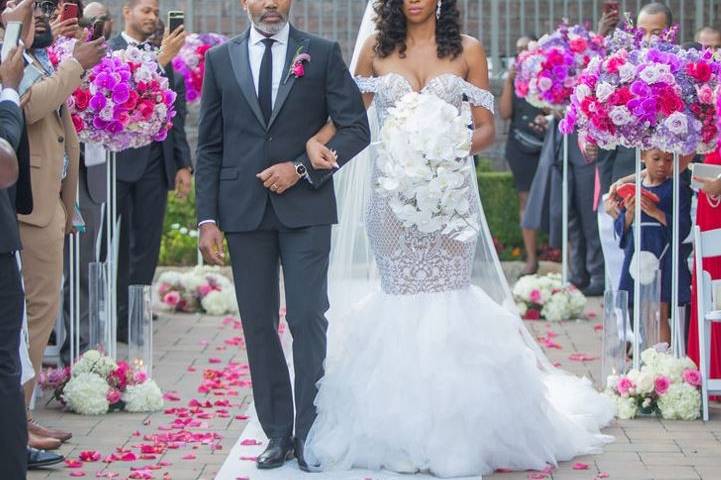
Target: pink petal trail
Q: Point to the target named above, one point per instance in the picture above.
(72, 463)
(580, 466)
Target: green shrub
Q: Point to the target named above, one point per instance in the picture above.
(500, 204)
(179, 245)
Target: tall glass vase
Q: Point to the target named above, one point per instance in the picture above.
(650, 313)
(616, 334)
(140, 328)
(100, 328)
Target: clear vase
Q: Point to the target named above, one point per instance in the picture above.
(140, 328)
(100, 333)
(650, 313)
(616, 334)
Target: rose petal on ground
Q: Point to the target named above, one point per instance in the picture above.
(106, 474)
(580, 466)
(214, 360)
(537, 476)
(128, 457)
(90, 456)
(188, 456)
(248, 458)
(250, 441)
(602, 475)
(598, 327)
(241, 417)
(73, 463)
(581, 357)
(171, 396)
(77, 473)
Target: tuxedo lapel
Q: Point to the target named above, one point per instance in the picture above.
(295, 41)
(240, 60)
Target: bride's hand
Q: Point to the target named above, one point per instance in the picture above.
(321, 157)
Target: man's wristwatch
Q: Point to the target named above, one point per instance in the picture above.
(301, 170)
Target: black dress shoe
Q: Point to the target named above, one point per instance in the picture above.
(594, 289)
(41, 458)
(299, 446)
(278, 451)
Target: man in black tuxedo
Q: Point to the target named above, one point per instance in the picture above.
(145, 175)
(256, 184)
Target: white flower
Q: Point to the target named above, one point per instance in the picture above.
(681, 402)
(645, 383)
(651, 74)
(621, 116)
(93, 361)
(85, 394)
(146, 397)
(220, 302)
(626, 408)
(183, 231)
(603, 91)
(677, 123)
(170, 277)
(627, 72)
(582, 91)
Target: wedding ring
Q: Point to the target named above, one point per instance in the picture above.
(274, 187)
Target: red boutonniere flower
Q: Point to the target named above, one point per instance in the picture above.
(297, 66)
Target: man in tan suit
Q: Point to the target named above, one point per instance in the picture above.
(54, 155)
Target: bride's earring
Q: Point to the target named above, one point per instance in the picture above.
(438, 10)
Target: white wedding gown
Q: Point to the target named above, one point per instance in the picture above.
(432, 374)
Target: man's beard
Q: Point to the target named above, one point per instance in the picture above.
(44, 39)
(268, 28)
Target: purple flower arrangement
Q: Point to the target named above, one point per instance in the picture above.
(190, 62)
(125, 101)
(658, 96)
(548, 71)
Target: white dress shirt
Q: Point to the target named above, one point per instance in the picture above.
(256, 49)
(10, 95)
(130, 40)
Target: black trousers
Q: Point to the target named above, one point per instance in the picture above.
(141, 206)
(256, 257)
(13, 423)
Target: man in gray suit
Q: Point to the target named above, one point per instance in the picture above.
(256, 185)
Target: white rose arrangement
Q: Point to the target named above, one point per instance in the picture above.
(664, 385)
(424, 168)
(202, 289)
(96, 385)
(545, 297)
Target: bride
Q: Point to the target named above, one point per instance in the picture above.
(430, 367)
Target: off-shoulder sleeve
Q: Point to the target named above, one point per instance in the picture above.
(479, 97)
(367, 84)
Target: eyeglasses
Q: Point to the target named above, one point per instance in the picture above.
(46, 6)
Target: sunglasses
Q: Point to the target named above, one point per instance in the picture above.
(46, 6)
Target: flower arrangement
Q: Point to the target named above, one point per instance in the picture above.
(546, 298)
(96, 385)
(190, 62)
(61, 50)
(664, 385)
(125, 101)
(424, 146)
(660, 96)
(202, 289)
(548, 71)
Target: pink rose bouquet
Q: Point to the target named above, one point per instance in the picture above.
(125, 102)
(190, 62)
(660, 96)
(548, 71)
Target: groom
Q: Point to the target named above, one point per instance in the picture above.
(265, 94)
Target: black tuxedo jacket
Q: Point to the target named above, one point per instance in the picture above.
(235, 143)
(18, 198)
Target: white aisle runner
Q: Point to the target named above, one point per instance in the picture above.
(240, 464)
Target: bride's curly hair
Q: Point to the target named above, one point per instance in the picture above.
(391, 27)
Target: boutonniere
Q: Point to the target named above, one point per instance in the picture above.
(297, 66)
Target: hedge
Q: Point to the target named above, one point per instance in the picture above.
(500, 202)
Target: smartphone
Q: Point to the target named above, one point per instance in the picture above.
(98, 29)
(610, 6)
(11, 39)
(70, 10)
(176, 18)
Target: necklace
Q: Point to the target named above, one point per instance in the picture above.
(713, 200)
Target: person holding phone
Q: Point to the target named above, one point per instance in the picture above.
(97, 12)
(65, 19)
(145, 175)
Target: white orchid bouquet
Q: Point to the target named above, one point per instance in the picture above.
(664, 385)
(546, 298)
(202, 289)
(423, 166)
(96, 385)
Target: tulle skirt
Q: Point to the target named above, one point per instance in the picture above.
(444, 383)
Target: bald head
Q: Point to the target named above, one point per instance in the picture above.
(95, 9)
(709, 37)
